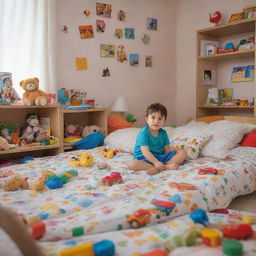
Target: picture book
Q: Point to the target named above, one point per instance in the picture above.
(152, 24)
(243, 74)
(103, 10)
(86, 32)
(225, 94)
(8, 94)
(134, 59)
(107, 50)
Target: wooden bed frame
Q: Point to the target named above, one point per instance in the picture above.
(240, 119)
(19, 233)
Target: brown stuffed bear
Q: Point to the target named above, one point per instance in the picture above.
(32, 94)
(15, 183)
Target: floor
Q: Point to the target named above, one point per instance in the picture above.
(244, 203)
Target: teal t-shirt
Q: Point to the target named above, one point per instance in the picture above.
(155, 144)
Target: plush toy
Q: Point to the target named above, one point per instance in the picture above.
(32, 94)
(91, 129)
(73, 130)
(14, 183)
(33, 131)
(38, 185)
(4, 144)
(83, 160)
(108, 152)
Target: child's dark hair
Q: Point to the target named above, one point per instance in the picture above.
(157, 107)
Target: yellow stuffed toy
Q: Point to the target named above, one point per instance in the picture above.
(83, 160)
(32, 94)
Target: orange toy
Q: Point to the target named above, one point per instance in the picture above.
(139, 218)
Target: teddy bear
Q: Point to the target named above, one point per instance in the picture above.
(87, 130)
(14, 183)
(32, 94)
(33, 131)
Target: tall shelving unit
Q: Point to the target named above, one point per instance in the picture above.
(211, 62)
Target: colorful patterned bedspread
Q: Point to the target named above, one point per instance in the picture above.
(85, 206)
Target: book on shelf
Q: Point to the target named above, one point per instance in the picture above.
(205, 44)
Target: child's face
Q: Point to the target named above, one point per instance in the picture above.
(155, 121)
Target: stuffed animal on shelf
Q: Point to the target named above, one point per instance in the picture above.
(33, 95)
(4, 144)
(91, 129)
(14, 183)
(33, 131)
(215, 17)
(73, 130)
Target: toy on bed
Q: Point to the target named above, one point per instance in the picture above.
(92, 137)
(108, 152)
(33, 95)
(113, 178)
(14, 183)
(82, 160)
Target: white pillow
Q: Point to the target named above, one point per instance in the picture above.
(191, 138)
(225, 136)
(126, 138)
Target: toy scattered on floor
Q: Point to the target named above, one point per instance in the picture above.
(82, 160)
(199, 216)
(113, 178)
(101, 248)
(26, 159)
(39, 185)
(16, 182)
(232, 248)
(103, 165)
(211, 237)
(237, 231)
(139, 218)
(189, 238)
(54, 182)
(108, 152)
(215, 18)
(91, 141)
(33, 95)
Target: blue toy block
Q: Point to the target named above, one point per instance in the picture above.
(104, 248)
(199, 216)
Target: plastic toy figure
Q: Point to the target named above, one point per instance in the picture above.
(237, 231)
(140, 218)
(199, 216)
(215, 18)
(114, 177)
(210, 237)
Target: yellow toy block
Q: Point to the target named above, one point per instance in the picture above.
(85, 249)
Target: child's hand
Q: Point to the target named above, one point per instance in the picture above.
(160, 166)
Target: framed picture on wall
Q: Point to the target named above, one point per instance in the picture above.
(209, 77)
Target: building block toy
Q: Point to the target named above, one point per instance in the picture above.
(237, 231)
(85, 249)
(104, 248)
(38, 230)
(210, 237)
(199, 216)
(232, 248)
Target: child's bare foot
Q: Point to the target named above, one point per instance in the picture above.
(153, 171)
(172, 166)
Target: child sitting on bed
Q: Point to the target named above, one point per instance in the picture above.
(152, 150)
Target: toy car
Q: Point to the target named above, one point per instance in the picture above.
(208, 171)
(164, 206)
(114, 177)
(182, 186)
(139, 218)
(237, 231)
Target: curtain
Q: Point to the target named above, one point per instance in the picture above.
(28, 41)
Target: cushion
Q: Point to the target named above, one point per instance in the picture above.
(126, 138)
(116, 122)
(190, 138)
(225, 136)
(91, 141)
(249, 140)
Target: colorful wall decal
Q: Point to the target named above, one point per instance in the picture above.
(134, 59)
(148, 61)
(86, 32)
(81, 63)
(103, 10)
(107, 50)
(87, 13)
(121, 15)
(129, 33)
(100, 25)
(145, 38)
(152, 24)
(64, 29)
(121, 55)
(119, 33)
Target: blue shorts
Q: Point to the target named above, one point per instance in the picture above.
(163, 158)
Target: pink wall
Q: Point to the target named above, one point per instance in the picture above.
(140, 85)
(191, 16)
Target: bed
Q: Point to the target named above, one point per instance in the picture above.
(85, 209)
